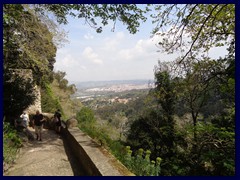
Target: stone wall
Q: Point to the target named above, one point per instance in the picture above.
(94, 159)
(37, 104)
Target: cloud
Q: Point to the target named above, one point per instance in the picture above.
(120, 35)
(112, 43)
(125, 57)
(88, 36)
(89, 54)
(142, 50)
(83, 67)
(66, 60)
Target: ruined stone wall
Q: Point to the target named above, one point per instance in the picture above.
(37, 103)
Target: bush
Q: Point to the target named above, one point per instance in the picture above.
(11, 143)
(85, 115)
(140, 164)
(48, 101)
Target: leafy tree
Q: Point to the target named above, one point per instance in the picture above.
(165, 96)
(63, 83)
(215, 151)
(192, 85)
(85, 115)
(129, 14)
(72, 88)
(197, 85)
(145, 132)
(200, 83)
(59, 76)
(155, 130)
(194, 28)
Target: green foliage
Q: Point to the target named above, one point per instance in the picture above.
(11, 143)
(59, 76)
(49, 102)
(85, 115)
(27, 42)
(195, 28)
(18, 94)
(202, 89)
(205, 87)
(225, 119)
(164, 92)
(129, 14)
(156, 128)
(212, 144)
(140, 164)
(61, 97)
(87, 124)
(63, 83)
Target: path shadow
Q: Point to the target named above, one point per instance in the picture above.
(76, 166)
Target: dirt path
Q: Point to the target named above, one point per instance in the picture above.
(50, 157)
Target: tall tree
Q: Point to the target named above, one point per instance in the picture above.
(155, 129)
(165, 96)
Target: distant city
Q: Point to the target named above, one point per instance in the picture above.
(120, 87)
(114, 85)
(95, 89)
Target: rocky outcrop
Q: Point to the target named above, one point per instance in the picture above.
(71, 123)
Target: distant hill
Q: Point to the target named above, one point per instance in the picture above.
(93, 84)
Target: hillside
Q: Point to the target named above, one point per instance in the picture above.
(69, 106)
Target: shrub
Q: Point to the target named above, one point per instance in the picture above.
(11, 143)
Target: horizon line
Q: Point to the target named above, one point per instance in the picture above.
(111, 80)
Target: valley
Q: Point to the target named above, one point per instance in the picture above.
(107, 92)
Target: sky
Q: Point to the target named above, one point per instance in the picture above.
(118, 55)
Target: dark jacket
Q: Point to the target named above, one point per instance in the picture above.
(37, 119)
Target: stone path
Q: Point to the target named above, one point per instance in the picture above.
(50, 157)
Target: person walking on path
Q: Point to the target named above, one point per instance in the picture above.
(57, 117)
(38, 124)
(25, 119)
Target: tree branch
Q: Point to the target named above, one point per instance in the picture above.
(200, 30)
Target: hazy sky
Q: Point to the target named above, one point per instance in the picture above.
(118, 55)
